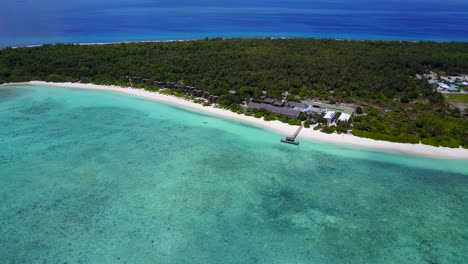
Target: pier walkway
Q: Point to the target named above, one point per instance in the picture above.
(292, 139)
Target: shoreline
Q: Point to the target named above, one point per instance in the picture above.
(226, 38)
(100, 43)
(276, 126)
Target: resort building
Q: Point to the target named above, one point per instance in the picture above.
(330, 116)
(278, 103)
(189, 89)
(158, 84)
(444, 87)
(344, 117)
(275, 109)
(313, 109)
(431, 77)
(268, 101)
(213, 98)
(197, 93)
(452, 79)
(297, 106)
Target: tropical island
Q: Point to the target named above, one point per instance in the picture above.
(394, 91)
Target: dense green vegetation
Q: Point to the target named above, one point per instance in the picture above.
(376, 75)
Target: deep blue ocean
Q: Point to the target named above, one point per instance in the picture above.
(29, 22)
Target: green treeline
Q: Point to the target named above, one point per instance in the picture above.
(377, 75)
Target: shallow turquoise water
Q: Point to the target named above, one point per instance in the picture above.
(92, 177)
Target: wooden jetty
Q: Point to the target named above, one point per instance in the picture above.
(292, 139)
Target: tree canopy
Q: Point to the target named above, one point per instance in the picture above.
(378, 75)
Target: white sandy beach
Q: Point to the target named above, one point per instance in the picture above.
(310, 134)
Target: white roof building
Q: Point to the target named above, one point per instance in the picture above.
(329, 116)
(344, 117)
(443, 85)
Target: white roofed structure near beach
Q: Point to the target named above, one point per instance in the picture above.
(329, 116)
(344, 117)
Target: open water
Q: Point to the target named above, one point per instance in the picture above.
(95, 177)
(30, 22)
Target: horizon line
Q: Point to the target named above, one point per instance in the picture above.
(222, 38)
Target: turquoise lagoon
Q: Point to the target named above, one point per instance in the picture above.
(95, 177)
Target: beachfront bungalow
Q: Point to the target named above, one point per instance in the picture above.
(213, 98)
(158, 84)
(170, 85)
(330, 116)
(274, 109)
(198, 93)
(268, 101)
(344, 117)
(206, 95)
(189, 89)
